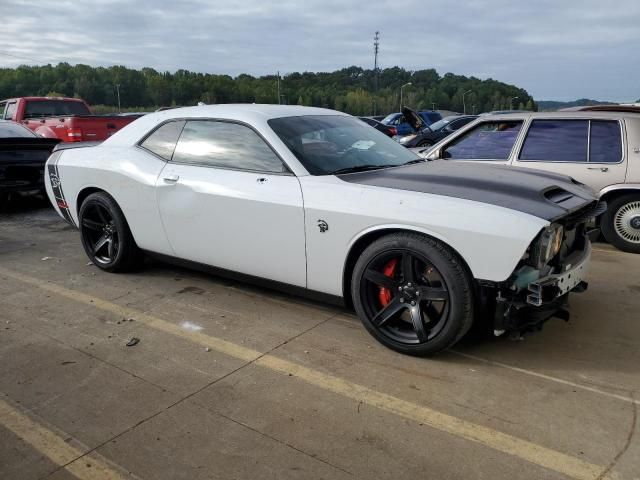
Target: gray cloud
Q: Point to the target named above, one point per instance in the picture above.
(556, 50)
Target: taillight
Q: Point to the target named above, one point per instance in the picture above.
(393, 131)
(74, 134)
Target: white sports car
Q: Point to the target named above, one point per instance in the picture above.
(317, 201)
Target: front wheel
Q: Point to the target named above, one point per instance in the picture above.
(425, 144)
(105, 235)
(621, 223)
(412, 294)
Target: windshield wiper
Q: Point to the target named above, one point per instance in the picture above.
(417, 160)
(359, 168)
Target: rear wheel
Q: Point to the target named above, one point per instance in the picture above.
(412, 294)
(621, 223)
(105, 234)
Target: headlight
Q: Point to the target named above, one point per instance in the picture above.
(548, 245)
(408, 138)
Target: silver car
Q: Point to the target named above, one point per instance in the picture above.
(599, 149)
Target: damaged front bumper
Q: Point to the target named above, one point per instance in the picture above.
(520, 305)
(547, 289)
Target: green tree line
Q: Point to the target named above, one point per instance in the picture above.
(352, 90)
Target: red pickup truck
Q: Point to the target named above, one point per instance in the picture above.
(68, 119)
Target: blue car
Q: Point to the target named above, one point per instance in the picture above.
(404, 128)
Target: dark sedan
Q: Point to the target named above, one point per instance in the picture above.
(427, 136)
(22, 158)
(386, 129)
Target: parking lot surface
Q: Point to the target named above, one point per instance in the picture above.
(232, 381)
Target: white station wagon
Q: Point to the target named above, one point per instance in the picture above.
(316, 201)
(599, 149)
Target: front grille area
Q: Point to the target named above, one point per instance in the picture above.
(583, 215)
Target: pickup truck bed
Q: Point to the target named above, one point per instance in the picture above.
(68, 119)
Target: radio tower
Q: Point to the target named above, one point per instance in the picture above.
(376, 46)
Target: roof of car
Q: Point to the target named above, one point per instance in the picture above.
(250, 113)
(572, 114)
(235, 110)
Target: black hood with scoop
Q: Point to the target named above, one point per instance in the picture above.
(542, 194)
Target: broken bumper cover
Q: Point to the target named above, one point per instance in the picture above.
(547, 289)
(542, 299)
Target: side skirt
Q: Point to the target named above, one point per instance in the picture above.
(250, 279)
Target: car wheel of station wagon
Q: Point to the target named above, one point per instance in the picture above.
(412, 294)
(621, 223)
(105, 235)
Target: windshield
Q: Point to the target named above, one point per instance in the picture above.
(389, 118)
(52, 108)
(327, 143)
(439, 124)
(14, 130)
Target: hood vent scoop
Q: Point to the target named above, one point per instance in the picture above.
(557, 195)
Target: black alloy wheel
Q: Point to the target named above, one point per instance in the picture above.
(105, 234)
(100, 233)
(412, 294)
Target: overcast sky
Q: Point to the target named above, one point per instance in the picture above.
(555, 49)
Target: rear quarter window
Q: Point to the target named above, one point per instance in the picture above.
(162, 141)
(605, 142)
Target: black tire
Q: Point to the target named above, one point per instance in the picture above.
(106, 236)
(425, 144)
(421, 317)
(620, 224)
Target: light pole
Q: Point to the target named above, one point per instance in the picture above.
(511, 102)
(118, 90)
(405, 85)
(464, 105)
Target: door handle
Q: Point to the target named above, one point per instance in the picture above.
(602, 169)
(261, 180)
(171, 178)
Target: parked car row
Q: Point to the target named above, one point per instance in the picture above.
(404, 126)
(427, 135)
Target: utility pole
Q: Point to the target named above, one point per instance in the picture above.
(405, 85)
(376, 46)
(278, 82)
(464, 105)
(511, 101)
(118, 91)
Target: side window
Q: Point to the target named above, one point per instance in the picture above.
(460, 123)
(163, 140)
(556, 141)
(226, 145)
(10, 110)
(605, 143)
(486, 141)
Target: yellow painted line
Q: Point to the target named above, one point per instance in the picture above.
(55, 448)
(545, 457)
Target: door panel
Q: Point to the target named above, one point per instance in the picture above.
(591, 151)
(247, 222)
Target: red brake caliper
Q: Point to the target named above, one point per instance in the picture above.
(389, 270)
